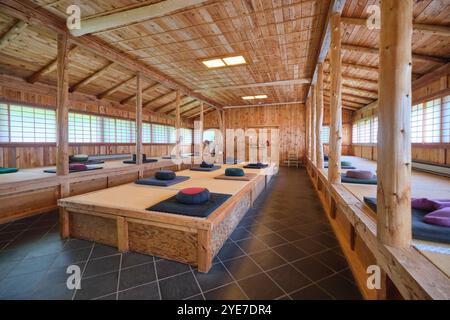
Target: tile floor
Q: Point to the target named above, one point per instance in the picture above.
(284, 248)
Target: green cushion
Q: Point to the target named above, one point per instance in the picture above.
(8, 170)
(346, 164)
(234, 172)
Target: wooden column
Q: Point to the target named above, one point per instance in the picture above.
(178, 126)
(139, 120)
(308, 130)
(319, 116)
(335, 143)
(394, 112)
(62, 108)
(221, 117)
(313, 124)
(202, 119)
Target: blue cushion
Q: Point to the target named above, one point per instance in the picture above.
(171, 205)
(165, 175)
(206, 169)
(345, 179)
(193, 195)
(258, 165)
(8, 170)
(234, 172)
(152, 181)
(73, 171)
(420, 229)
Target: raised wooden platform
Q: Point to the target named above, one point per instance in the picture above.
(406, 273)
(117, 217)
(32, 191)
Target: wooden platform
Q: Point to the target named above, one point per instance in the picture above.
(32, 191)
(409, 274)
(117, 217)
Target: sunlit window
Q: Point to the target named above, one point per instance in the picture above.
(325, 134)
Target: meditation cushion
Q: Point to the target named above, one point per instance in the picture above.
(440, 204)
(439, 217)
(206, 165)
(423, 204)
(325, 158)
(8, 170)
(165, 175)
(79, 158)
(346, 164)
(234, 172)
(193, 195)
(359, 174)
(77, 166)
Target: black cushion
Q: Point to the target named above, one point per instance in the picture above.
(171, 205)
(258, 165)
(78, 158)
(206, 165)
(214, 168)
(234, 172)
(152, 181)
(165, 175)
(420, 229)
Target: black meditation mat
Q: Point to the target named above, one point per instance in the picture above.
(345, 179)
(145, 161)
(254, 166)
(214, 168)
(73, 171)
(152, 181)
(420, 229)
(171, 205)
(344, 167)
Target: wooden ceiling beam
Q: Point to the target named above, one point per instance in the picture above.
(14, 32)
(169, 94)
(123, 18)
(375, 51)
(146, 90)
(258, 85)
(172, 105)
(336, 6)
(430, 29)
(115, 88)
(197, 112)
(50, 67)
(188, 107)
(92, 77)
(27, 11)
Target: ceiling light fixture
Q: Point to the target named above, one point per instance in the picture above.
(261, 96)
(224, 62)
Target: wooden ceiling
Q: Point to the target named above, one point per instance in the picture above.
(280, 40)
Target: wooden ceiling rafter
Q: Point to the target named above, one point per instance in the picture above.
(161, 97)
(171, 106)
(431, 29)
(92, 77)
(14, 32)
(27, 11)
(146, 90)
(116, 87)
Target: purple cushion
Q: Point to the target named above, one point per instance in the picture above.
(429, 204)
(359, 174)
(439, 217)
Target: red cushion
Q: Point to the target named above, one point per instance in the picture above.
(192, 191)
(77, 166)
(359, 174)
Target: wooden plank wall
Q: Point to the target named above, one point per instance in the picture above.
(28, 155)
(347, 118)
(290, 119)
(432, 153)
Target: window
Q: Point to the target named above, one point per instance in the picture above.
(27, 124)
(325, 134)
(430, 121)
(365, 130)
(209, 135)
(19, 124)
(146, 132)
(186, 136)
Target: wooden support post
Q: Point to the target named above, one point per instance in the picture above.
(204, 250)
(308, 130)
(64, 222)
(319, 116)
(62, 108)
(334, 162)
(122, 235)
(394, 113)
(222, 131)
(202, 118)
(139, 123)
(313, 125)
(178, 126)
